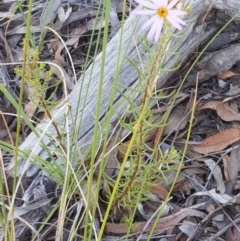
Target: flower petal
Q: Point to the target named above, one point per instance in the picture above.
(174, 22)
(158, 31)
(176, 18)
(144, 12)
(171, 4)
(157, 3)
(149, 22)
(177, 12)
(152, 30)
(146, 4)
(164, 3)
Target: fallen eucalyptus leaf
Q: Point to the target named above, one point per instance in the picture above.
(216, 171)
(220, 198)
(226, 113)
(218, 141)
(234, 164)
(62, 15)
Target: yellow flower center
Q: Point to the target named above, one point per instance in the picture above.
(162, 12)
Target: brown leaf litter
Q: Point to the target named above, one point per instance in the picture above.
(204, 204)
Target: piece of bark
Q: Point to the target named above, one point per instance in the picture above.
(220, 62)
(194, 35)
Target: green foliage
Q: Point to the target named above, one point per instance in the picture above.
(37, 78)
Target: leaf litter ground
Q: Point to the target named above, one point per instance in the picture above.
(204, 203)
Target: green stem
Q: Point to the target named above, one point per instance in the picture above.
(88, 232)
(147, 95)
